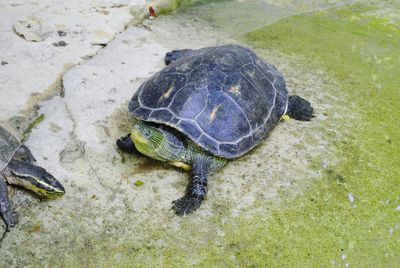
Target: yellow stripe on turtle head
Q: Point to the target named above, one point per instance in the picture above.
(137, 137)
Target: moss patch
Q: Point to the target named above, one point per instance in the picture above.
(32, 125)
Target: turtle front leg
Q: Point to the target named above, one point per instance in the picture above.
(126, 144)
(196, 189)
(8, 215)
(176, 54)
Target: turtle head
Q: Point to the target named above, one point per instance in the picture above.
(47, 186)
(156, 142)
(147, 139)
(34, 178)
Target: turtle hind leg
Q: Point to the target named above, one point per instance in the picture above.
(9, 216)
(299, 108)
(126, 145)
(176, 54)
(196, 189)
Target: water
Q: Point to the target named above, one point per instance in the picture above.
(238, 17)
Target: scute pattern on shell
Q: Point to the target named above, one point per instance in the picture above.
(8, 146)
(226, 98)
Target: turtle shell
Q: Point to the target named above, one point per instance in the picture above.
(8, 146)
(225, 98)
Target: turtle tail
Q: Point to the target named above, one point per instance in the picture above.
(299, 108)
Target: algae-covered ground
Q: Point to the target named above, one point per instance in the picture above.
(315, 194)
(352, 214)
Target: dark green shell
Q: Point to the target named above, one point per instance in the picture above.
(226, 98)
(8, 146)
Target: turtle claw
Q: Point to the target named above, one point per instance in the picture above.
(186, 204)
(126, 145)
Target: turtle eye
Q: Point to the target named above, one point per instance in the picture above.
(146, 133)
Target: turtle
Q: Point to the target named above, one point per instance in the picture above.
(205, 107)
(17, 168)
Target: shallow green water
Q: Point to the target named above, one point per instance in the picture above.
(238, 17)
(362, 52)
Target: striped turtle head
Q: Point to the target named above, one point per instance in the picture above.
(33, 178)
(148, 139)
(157, 142)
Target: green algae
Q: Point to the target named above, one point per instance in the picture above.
(138, 183)
(32, 125)
(167, 7)
(320, 226)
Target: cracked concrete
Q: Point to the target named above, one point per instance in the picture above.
(40, 40)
